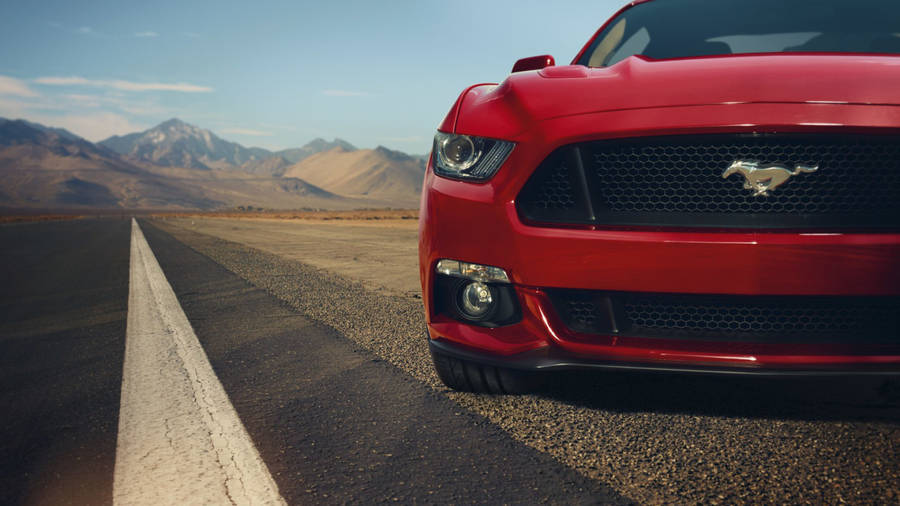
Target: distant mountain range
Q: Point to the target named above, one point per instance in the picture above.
(312, 147)
(177, 165)
(369, 172)
(175, 143)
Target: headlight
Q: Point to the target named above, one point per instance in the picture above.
(467, 157)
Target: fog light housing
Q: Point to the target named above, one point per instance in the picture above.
(476, 301)
(477, 294)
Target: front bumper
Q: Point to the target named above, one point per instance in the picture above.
(799, 264)
(479, 223)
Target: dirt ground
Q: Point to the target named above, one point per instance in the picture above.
(16, 218)
(354, 215)
(382, 253)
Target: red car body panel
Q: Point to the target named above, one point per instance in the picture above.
(543, 110)
(507, 110)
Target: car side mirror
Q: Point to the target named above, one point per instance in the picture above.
(534, 63)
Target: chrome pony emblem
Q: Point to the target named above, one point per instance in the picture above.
(762, 180)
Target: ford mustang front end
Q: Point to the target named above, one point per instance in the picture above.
(709, 186)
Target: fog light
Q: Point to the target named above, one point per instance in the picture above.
(476, 300)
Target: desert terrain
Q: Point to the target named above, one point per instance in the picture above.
(375, 247)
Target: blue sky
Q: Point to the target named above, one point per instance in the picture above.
(272, 74)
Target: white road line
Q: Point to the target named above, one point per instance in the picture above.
(180, 440)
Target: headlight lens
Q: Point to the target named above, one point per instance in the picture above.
(475, 272)
(468, 157)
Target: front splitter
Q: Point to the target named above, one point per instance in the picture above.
(548, 360)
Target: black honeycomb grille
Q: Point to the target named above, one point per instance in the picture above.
(677, 181)
(585, 315)
(854, 176)
(731, 317)
(556, 191)
(824, 317)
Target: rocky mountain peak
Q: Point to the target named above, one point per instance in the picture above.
(174, 143)
(172, 123)
(391, 154)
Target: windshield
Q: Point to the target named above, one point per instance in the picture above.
(665, 29)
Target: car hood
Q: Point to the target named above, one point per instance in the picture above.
(637, 83)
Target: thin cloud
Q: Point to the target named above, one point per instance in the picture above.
(78, 30)
(344, 93)
(90, 32)
(121, 103)
(247, 131)
(144, 109)
(192, 35)
(14, 108)
(93, 126)
(123, 85)
(279, 126)
(146, 34)
(19, 106)
(83, 100)
(15, 87)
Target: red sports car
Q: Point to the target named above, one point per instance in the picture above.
(710, 186)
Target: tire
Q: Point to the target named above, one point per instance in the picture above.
(468, 376)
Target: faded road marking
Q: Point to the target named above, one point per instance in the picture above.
(180, 440)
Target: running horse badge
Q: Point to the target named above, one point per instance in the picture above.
(762, 180)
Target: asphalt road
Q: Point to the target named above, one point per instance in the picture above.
(332, 422)
(334, 389)
(63, 304)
